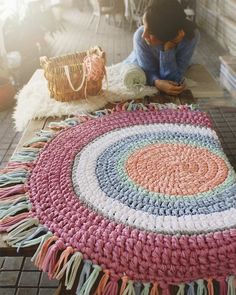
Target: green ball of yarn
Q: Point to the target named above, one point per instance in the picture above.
(134, 78)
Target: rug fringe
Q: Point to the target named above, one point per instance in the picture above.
(45, 133)
(43, 240)
(59, 268)
(72, 269)
(88, 285)
(120, 107)
(146, 288)
(154, 290)
(11, 191)
(103, 282)
(14, 167)
(231, 285)
(26, 155)
(15, 209)
(32, 239)
(13, 177)
(10, 201)
(134, 106)
(191, 290)
(57, 126)
(111, 288)
(17, 229)
(181, 290)
(42, 137)
(201, 288)
(44, 250)
(223, 286)
(210, 287)
(49, 261)
(129, 290)
(84, 275)
(124, 281)
(7, 222)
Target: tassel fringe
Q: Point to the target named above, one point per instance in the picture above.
(103, 282)
(129, 289)
(111, 288)
(86, 288)
(11, 191)
(62, 262)
(120, 107)
(72, 269)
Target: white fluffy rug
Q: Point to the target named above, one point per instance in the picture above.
(34, 102)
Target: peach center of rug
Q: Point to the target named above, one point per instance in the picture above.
(176, 169)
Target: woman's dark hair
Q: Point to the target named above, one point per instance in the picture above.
(165, 18)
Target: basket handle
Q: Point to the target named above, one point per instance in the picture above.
(43, 60)
(98, 50)
(67, 72)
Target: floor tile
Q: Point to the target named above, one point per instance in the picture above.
(47, 291)
(45, 282)
(7, 291)
(29, 265)
(13, 263)
(8, 278)
(27, 291)
(29, 278)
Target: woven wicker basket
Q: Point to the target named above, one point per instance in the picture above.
(66, 76)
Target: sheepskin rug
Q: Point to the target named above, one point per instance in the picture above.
(34, 102)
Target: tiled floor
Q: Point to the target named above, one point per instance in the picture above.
(20, 272)
(18, 276)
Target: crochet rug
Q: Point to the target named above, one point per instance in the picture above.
(139, 199)
(34, 102)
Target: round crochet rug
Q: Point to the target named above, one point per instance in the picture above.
(137, 200)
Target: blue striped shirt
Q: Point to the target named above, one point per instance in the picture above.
(159, 64)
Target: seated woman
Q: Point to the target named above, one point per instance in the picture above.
(164, 45)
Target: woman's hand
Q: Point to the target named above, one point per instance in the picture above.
(173, 43)
(169, 87)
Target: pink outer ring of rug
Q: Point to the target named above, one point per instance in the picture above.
(141, 255)
(188, 170)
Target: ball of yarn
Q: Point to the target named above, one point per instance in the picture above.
(134, 78)
(95, 67)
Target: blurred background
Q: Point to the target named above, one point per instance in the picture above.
(32, 28)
